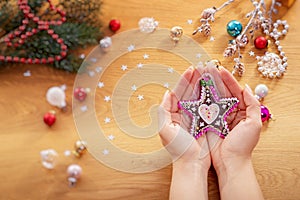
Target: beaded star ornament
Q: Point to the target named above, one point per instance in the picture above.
(209, 112)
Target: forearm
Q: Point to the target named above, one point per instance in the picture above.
(238, 181)
(189, 182)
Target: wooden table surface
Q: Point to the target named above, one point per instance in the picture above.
(23, 104)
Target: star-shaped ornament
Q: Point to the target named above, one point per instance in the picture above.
(208, 113)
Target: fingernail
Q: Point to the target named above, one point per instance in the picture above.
(248, 88)
(191, 67)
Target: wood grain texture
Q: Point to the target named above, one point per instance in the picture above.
(23, 134)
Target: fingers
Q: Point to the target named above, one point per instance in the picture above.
(183, 83)
(232, 85)
(253, 112)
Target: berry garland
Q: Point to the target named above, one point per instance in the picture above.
(38, 40)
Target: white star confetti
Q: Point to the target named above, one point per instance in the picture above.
(257, 57)
(140, 66)
(67, 153)
(189, 21)
(111, 137)
(211, 39)
(251, 53)
(98, 69)
(91, 73)
(146, 56)
(170, 70)
(133, 88)
(140, 97)
(105, 152)
(100, 84)
(198, 55)
(27, 73)
(166, 85)
(107, 120)
(124, 67)
(131, 48)
(107, 98)
(83, 108)
(93, 60)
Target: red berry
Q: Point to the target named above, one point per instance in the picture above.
(260, 42)
(114, 25)
(50, 118)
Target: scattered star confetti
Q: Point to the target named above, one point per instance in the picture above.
(140, 66)
(111, 137)
(27, 73)
(131, 48)
(206, 111)
(105, 152)
(133, 88)
(100, 84)
(140, 97)
(170, 70)
(166, 85)
(251, 53)
(83, 108)
(107, 98)
(198, 55)
(124, 67)
(91, 73)
(107, 120)
(257, 57)
(82, 56)
(93, 60)
(211, 39)
(189, 21)
(98, 69)
(67, 153)
(63, 87)
(146, 56)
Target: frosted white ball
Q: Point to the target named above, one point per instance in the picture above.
(261, 90)
(56, 97)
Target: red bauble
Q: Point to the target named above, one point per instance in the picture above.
(80, 94)
(50, 118)
(260, 42)
(114, 25)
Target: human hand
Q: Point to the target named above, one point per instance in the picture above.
(244, 124)
(174, 126)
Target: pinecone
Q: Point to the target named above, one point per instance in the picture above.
(230, 50)
(206, 29)
(208, 14)
(239, 68)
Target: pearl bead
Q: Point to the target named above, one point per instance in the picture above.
(279, 48)
(261, 90)
(234, 28)
(260, 42)
(282, 53)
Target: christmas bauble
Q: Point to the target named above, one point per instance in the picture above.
(234, 28)
(260, 42)
(114, 25)
(80, 93)
(50, 118)
(265, 113)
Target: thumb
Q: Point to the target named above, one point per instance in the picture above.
(252, 106)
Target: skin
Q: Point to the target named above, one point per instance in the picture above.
(231, 157)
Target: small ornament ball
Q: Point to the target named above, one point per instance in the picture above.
(114, 25)
(50, 118)
(261, 90)
(234, 28)
(80, 93)
(265, 113)
(260, 42)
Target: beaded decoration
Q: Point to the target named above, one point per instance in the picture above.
(208, 113)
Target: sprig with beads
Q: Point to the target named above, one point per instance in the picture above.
(270, 65)
(207, 16)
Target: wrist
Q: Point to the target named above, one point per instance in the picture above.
(191, 165)
(229, 169)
